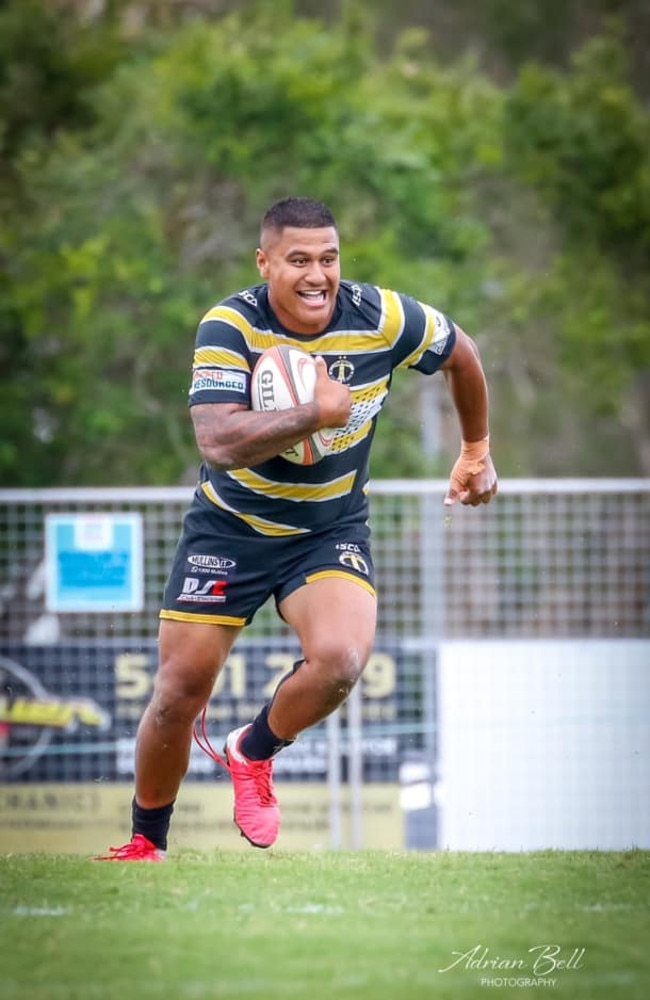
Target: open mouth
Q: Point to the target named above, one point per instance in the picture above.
(316, 298)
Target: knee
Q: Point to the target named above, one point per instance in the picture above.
(341, 666)
(178, 698)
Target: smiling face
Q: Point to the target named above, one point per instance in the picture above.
(303, 272)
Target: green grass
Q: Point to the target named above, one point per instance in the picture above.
(372, 926)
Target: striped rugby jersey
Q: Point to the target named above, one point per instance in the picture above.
(372, 332)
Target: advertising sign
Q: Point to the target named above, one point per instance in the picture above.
(93, 562)
(70, 711)
(68, 718)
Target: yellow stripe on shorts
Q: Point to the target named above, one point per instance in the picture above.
(324, 573)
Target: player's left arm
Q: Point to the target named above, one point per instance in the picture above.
(473, 479)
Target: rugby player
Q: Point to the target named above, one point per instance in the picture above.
(261, 526)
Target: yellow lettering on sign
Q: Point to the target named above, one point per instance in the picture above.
(35, 712)
(132, 675)
(52, 712)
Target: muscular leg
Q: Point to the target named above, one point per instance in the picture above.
(190, 657)
(335, 621)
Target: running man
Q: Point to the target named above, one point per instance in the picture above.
(260, 526)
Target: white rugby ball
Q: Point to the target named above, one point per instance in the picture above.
(284, 377)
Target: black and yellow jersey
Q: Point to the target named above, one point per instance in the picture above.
(372, 332)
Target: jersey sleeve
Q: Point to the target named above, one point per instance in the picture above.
(221, 368)
(419, 336)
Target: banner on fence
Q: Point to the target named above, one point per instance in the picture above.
(69, 712)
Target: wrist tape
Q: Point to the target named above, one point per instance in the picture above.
(472, 454)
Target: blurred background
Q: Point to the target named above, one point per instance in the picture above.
(492, 159)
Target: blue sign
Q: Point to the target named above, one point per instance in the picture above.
(94, 562)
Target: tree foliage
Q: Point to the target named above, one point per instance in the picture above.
(133, 199)
(581, 140)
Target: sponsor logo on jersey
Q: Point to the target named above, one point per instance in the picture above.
(216, 378)
(211, 562)
(441, 334)
(248, 296)
(203, 592)
(354, 561)
(342, 370)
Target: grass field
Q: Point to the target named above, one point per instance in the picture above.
(372, 926)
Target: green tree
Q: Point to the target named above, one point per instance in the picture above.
(581, 141)
(51, 62)
(138, 224)
(131, 204)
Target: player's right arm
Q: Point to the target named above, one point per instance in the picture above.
(232, 436)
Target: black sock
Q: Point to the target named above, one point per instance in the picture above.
(260, 742)
(152, 823)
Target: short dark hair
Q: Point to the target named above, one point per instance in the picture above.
(301, 213)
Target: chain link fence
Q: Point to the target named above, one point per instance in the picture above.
(566, 562)
(547, 559)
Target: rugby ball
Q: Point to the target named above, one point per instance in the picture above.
(284, 377)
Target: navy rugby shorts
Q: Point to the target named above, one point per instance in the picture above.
(224, 571)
